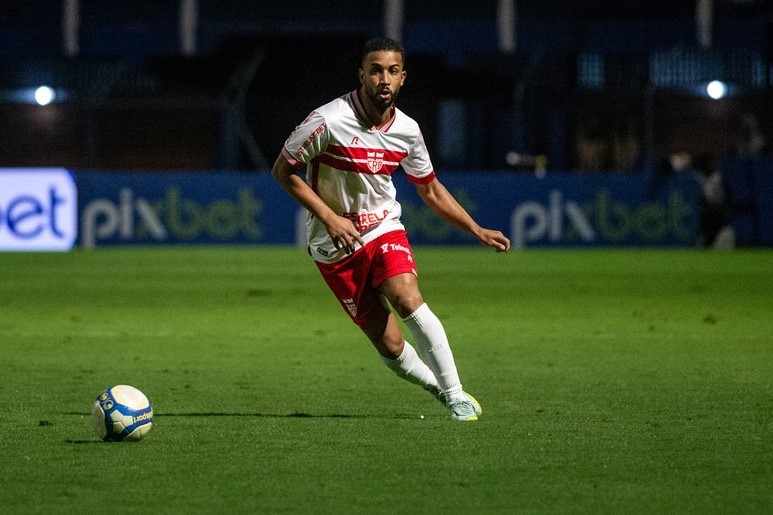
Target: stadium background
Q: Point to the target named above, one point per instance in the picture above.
(613, 380)
(575, 103)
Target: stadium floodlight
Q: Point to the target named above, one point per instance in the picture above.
(716, 89)
(44, 95)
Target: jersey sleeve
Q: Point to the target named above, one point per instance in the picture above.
(417, 164)
(307, 141)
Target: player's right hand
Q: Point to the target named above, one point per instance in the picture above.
(344, 234)
(494, 239)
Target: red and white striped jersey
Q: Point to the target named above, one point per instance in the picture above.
(349, 164)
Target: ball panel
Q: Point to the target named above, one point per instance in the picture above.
(129, 396)
(98, 420)
(138, 432)
(145, 429)
(122, 413)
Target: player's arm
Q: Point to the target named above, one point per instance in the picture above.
(341, 230)
(438, 198)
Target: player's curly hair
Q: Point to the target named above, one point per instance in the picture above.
(387, 44)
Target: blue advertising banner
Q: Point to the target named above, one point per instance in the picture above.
(38, 209)
(558, 210)
(183, 208)
(564, 209)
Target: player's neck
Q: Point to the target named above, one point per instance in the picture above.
(376, 117)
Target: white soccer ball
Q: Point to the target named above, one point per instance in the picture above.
(122, 413)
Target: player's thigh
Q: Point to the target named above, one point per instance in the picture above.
(402, 292)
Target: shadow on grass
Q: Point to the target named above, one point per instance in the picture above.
(286, 415)
(259, 415)
(221, 414)
(263, 415)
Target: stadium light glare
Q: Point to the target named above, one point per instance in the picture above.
(716, 89)
(44, 95)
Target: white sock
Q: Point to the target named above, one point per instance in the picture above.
(430, 337)
(411, 368)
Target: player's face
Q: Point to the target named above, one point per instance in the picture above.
(382, 75)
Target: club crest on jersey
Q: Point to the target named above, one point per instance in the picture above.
(375, 161)
(350, 306)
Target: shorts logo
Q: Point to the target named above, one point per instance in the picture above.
(375, 161)
(350, 306)
(396, 247)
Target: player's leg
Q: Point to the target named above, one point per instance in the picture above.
(394, 272)
(349, 281)
(402, 291)
(384, 333)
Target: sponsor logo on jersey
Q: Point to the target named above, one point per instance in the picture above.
(316, 132)
(364, 221)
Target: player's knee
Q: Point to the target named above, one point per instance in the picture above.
(393, 349)
(407, 302)
(390, 346)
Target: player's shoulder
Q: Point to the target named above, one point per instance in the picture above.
(404, 123)
(336, 108)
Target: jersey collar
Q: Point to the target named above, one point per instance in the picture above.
(359, 109)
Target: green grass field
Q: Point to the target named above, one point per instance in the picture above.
(611, 382)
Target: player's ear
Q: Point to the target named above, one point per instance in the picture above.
(403, 75)
(361, 75)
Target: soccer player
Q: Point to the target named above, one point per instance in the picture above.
(350, 147)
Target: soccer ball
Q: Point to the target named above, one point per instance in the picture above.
(122, 413)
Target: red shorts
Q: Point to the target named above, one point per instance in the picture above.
(355, 279)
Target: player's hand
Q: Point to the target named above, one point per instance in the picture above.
(344, 234)
(494, 239)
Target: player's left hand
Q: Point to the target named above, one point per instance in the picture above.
(495, 239)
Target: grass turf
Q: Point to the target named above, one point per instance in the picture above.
(611, 381)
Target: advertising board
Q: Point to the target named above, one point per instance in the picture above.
(38, 209)
(144, 208)
(565, 209)
(559, 210)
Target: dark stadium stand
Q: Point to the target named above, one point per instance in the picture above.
(260, 66)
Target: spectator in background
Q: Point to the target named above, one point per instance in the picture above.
(751, 141)
(592, 147)
(626, 145)
(714, 210)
